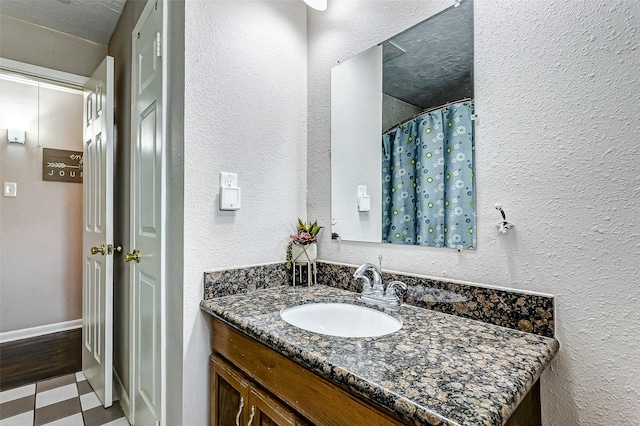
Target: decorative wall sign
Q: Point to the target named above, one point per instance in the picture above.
(60, 165)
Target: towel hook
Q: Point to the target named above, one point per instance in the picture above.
(503, 226)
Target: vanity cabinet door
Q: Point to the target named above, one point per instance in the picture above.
(236, 401)
(229, 395)
(266, 411)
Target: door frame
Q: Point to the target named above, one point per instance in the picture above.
(55, 76)
(163, 213)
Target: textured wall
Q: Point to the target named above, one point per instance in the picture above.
(557, 144)
(245, 112)
(41, 229)
(32, 44)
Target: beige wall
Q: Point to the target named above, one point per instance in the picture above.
(40, 229)
(36, 45)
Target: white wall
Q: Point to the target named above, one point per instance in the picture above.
(245, 112)
(41, 228)
(557, 143)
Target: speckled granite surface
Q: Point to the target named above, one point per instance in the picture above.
(438, 369)
(524, 312)
(242, 280)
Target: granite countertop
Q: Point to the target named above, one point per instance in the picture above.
(438, 369)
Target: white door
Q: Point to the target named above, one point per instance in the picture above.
(97, 246)
(147, 199)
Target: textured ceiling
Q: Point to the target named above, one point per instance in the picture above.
(438, 64)
(92, 20)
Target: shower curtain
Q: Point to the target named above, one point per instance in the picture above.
(428, 179)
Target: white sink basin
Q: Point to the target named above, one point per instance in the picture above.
(341, 320)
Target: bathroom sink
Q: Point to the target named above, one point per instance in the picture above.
(341, 320)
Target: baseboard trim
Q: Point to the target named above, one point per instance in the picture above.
(38, 358)
(123, 396)
(26, 333)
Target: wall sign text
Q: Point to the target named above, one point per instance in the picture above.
(60, 165)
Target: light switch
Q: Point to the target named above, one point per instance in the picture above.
(10, 189)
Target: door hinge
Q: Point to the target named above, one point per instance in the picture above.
(158, 44)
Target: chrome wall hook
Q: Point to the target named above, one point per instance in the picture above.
(503, 226)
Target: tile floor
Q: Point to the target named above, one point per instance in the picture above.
(61, 401)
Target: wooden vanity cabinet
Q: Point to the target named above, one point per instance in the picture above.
(237, 401)
(248, 377)
(279, 388)
(230, 393)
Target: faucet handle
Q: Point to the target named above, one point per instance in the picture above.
(390, 293)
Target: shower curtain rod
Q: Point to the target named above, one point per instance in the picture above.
(428, 110)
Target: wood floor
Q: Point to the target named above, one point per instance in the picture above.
(31, 360)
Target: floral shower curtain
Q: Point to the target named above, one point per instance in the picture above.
(428, 180)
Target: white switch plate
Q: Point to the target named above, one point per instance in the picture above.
(10, 189)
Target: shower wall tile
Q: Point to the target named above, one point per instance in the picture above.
(395, 111)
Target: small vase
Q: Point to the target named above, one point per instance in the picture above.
(303, 253)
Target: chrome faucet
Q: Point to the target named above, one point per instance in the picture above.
(367, 287)
(376, 292)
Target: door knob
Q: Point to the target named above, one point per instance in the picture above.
(128, 257)
(96, 250)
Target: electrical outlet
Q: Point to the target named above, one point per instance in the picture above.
(10, 189)
(228, 179)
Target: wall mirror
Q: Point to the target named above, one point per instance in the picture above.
(402, 137)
